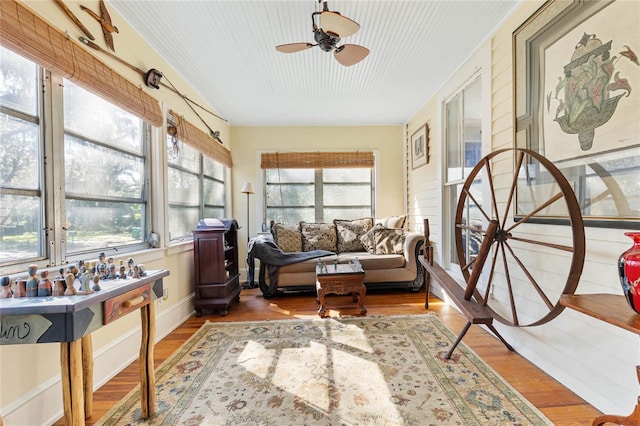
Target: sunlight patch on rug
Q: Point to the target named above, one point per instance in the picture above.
(354, 371)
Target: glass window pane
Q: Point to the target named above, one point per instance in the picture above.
(347, 195)
(186, 157)
(291, 216)
(93, 225)
(20, 231)
(95, 118)
(346, 175)
(472, 125)
(215, 212)
(184, 188)
(349, 213)
(290, 195)
(19, 153)
(100, 171)
(182, 220)
(290, 175)
(18, 83)
(212, 168)
(453, 142)
(213, 192)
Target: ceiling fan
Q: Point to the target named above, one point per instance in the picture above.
(329, 27)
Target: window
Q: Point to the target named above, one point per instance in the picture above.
(318, 195)
(463, 138)
(196, 188)
(105, 173)
(21, 202)
(67, 198)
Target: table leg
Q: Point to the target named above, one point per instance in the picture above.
(322, 309)
(87, 374)
(72, 388)
(361, 294)
(147, 372)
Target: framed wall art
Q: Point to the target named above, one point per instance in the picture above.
(420, 147)
(577, 97)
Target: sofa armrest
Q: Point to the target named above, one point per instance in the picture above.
(412, 242)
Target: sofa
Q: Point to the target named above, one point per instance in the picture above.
(388, 254)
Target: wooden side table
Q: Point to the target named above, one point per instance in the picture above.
(612, 309)
(340, 279)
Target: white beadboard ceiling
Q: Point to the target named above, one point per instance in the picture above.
(226, 50)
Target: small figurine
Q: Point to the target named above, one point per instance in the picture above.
(69, 281)
(58, 286)
(20, 288)
(130, 264)
(44, 288)
(136, 271)
(32, 281)
(123, 272)
(101, 261)
(102, 270)
(142, 269)
(111, 272)
(96, 283)
(5, 288)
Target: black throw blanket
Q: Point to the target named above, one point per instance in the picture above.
(272, 257)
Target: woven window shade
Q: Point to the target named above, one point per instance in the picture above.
(317, 160)
(196, 138)
(27, 34)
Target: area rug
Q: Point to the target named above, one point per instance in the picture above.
(351, 371)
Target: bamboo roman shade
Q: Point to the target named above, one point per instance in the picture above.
(196, 138)
(317, 160)
(27, 34)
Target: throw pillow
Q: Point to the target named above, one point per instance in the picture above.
(368, 239)
(389, 241)
(319, 236)
(392, 222)
(287, 237)
(349, 233)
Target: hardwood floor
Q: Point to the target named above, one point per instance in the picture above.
(559, 404)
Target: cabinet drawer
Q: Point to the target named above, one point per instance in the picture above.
(217, 291)
(121, 305)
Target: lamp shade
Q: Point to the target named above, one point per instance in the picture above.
(248, 188)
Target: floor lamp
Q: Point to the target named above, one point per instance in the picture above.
(248, 189)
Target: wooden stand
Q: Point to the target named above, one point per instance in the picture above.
(612, 309)
(343, 280)
(475, 312)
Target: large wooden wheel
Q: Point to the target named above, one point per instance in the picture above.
(518, 262)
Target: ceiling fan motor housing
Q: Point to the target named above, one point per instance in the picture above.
(326, 41)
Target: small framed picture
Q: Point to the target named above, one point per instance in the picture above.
(420, 147)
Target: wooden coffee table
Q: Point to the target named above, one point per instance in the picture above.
(340, 279)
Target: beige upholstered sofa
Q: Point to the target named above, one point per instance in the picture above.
(388, 254)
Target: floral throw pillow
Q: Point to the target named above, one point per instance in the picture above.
(319, 236)
(381, 240)
(288, 238)
(392, 222)
(349, 233)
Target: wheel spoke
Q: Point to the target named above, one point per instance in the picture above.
(512, 302)
(532, 280)
(544, 244)
(550, 201)
(512, 190)
(490, 280)
(478, 205)
(494, 203)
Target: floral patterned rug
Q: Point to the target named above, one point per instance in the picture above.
(351, 371)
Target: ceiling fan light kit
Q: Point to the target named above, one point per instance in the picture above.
(329, 27)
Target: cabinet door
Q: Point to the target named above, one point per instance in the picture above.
(209, 258)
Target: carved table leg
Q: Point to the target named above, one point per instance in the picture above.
(361, 294)
(87, 374)
(322, 310)
(72, 388)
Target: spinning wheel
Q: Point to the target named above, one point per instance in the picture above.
(523, 256)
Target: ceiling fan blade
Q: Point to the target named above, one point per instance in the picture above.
(350, 54)
(293, 47)
(333, 22)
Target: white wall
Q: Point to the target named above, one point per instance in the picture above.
(594, 359)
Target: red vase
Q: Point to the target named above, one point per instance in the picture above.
(629, 271)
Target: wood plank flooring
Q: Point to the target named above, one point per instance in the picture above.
(558, 403)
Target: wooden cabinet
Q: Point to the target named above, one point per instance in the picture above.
(215, 256)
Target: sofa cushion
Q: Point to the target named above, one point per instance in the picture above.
(288, 238)
(306, 265)
(374, 262)
(319, 236)
(391, 222)
(349, 233)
